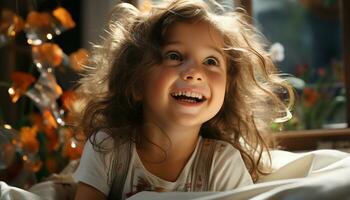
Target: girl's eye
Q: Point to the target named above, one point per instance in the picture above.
(173, 55)
(212, 61)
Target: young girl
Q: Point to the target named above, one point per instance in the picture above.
(177, 99)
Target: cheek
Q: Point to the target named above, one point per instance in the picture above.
(220, 84)
(219, 90)
(158, 81)
(218, 87)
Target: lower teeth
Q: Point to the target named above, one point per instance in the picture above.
(188, 100)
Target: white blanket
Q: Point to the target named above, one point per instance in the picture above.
(8, 193)
(321, 174)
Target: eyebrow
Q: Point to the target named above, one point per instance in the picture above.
(209, 46)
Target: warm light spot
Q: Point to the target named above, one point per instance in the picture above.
(60, 121)
(57, 32)
(34, 42)
(12, 33)
(39, 65)
(11, 91)
(73, 145)
(49, 36)
(25, 158)
(30, 41)
(7, 126)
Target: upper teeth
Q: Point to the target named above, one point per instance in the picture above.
(188, 94)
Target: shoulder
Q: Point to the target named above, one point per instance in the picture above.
(98, 145)
(101, 140)
(225, 155)
(228, 170)
(221, 148)
(94, 164)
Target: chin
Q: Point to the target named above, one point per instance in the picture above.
(189, 121)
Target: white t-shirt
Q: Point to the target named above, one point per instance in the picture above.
(227, 171)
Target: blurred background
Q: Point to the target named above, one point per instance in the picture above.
(45, 43)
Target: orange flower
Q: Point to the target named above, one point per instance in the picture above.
(73, 105)
(72, 150)
(39, 20)
(68, 99)
(27, 138)
(78, 59)
(64, 17)
(52, 142)
(10, 23)
(21, 83)
(49, 119)
(48, 54)
(310, 96)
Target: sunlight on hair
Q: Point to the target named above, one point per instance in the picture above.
(288, 116)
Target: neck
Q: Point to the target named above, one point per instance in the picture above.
(168, 143)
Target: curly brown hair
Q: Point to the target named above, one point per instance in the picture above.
(255, 93)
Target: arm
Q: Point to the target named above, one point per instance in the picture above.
(87, 192)
(92, 172)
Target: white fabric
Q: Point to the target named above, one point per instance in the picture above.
(333, 185)
(288, 165)
(321, 174)
(58, 187)
(12, 193)
(227, 172)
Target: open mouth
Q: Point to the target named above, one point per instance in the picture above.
(189, 97)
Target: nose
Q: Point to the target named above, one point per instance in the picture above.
(192, 72)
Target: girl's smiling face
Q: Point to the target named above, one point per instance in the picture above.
(188, 87)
